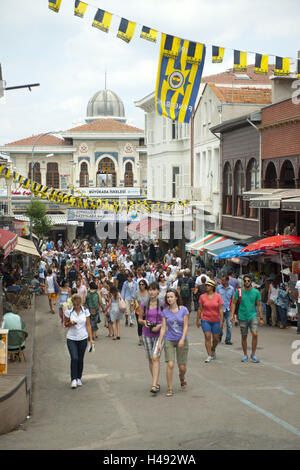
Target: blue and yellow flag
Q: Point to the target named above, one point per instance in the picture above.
(217, 54)
(54, 5)
(80, 8)
(261, 64)
(179, 75)
(298, 69)
(126, 30)
(149, 34)
(102, 20)
(282, 66)
(240, 61)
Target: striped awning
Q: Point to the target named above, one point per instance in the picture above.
(197, 246)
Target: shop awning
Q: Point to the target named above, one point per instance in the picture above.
(223, 245)
(27, 247)
(272, 198)
(145, 226)
(197, 246)
(8, 241)
(292, 204)
(55, 219)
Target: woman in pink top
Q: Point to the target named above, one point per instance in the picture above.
(210, 315)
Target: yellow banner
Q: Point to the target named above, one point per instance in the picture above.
(282, 66)
(80, 8)
(261, 64)
(126, 30)
(102, 20)
(217, 54)
(149, 34)
(54, 5)
(240, 61)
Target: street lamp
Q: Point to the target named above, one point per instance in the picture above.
(32, 154)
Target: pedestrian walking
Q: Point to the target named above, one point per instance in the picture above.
(93, 304)
(272, 299)
(64, 294)
(128, 292)
(174, 331)
(141, 296)
(150, 317)
(283, 301)
(78, 322)
(250, 299)
(51, 288)
(210, 316)
(114, 311)
(226, 292)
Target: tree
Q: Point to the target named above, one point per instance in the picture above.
(41, 224)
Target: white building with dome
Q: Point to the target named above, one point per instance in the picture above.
(102, 158)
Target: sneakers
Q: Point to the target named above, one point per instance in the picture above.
(79, 383)
(213, 354)
(254, 358)
(244, 359)
(74, 384)
(228, 342)
(208, 359)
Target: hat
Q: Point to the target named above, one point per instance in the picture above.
(211, 283)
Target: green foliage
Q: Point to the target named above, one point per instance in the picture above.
(41, 224)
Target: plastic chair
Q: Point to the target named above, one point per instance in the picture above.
(15, 345)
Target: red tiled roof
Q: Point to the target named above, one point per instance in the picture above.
(45, 141)
(242, 95)
(229, 77)
(105, 125)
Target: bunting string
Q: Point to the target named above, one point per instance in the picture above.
(81, 201)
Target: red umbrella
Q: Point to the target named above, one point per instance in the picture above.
(279, 241)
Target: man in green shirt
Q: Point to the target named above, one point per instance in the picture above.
(248, 301)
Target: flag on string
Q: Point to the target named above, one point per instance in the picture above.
(54, 5)
(282, 66)
(126, 30)
(261, 64)
(102, 20)
(80, 8)
(298, 68)
(179, 75)
(217, 54)
(240, 61)
(149, 34)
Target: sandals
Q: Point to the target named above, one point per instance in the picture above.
(183, 383)
(155, 388)
(169, 393)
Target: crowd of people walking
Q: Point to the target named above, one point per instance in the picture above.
(106, 282)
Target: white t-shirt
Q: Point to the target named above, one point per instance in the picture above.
(297, 286)
(79, 331)
(178, 259)
(50, 284)
(128, 265)
(273, 292)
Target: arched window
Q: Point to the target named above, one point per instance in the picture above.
(287, 175)
(238, 190)
(106, 174)
(52, 177)
(84, 175)
(252, 182)
(227, 189)
(271, 176)
(128, 177)
(36, 172)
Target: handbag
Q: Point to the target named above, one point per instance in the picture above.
(56, 288)
(122, 305)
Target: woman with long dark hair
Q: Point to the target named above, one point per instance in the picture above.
(150, 317)
(142, 295)
(175, 319)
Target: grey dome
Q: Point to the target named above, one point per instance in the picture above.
(105, 103)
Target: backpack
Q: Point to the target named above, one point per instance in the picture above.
(185, 290)
(238, 302)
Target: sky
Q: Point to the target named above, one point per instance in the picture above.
(68, 57)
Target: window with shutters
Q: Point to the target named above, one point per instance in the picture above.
(84, 175)
(128, 177)
(36, 172)
(52, 176)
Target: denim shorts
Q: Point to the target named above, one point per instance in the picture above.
(252, 324)
(211, 327)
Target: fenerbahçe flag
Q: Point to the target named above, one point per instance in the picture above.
(149, 34)
(240, 61)
(179, 75)
(217, 54)
(80, 8)
(282, 66)
(126, 30)
(54, 5)
(102, 20)
(261, 64)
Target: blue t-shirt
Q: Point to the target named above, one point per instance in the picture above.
(175, 323)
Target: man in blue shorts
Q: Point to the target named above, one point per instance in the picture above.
(247, 315)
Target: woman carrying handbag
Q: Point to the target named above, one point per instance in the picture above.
(116, 307)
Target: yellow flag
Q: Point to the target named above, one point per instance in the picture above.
(102, 20)
(54, 5)
(282, 66)
(261, 64)
(80, 8)
(179, 75)
(149, 34)
(217, 54)
(240, 61)
(126, 30)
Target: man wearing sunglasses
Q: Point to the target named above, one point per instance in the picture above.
(247, 315)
